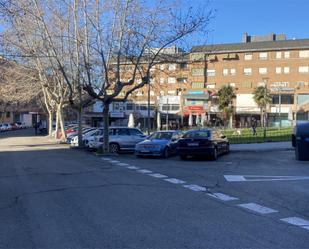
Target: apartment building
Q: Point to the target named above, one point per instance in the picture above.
(188, 87)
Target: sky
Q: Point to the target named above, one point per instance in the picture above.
(257, 17)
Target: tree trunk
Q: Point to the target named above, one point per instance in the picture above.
(262, 118)
(61, 122)
(80, 126)
(57, 124)
(105, 128)
(50, 123)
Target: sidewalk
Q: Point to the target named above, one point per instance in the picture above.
(273, 146)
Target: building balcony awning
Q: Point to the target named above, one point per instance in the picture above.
(196, 96)
(233, 56)
(198, 85)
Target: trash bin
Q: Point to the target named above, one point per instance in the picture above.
(300, 141)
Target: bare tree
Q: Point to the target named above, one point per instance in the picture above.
(108, 48)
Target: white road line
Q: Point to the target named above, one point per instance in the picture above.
(297, 222)
(257, 208)
(132, 167)
(157, 175)
(114, 161)
(222, 197)
(123, 164)
(194, 187)
(106, 159)
(144, 171)
(174, 180)
(234, 178)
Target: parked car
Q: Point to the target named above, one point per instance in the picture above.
(202, 142)
(86, 136)
(120, 139)
(71, 135)
(161, 143)
(6, 127)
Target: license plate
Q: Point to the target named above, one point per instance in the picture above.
(193, 144)
(145, 151)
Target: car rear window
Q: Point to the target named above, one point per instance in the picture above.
(196, 134)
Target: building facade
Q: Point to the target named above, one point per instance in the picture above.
(187, 88)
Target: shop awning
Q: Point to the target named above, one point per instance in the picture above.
(196, 96)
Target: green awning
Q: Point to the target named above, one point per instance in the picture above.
(211, 57)
(196, 96)
(233, 56)
(197, 57)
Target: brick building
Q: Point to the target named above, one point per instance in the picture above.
(188, 86)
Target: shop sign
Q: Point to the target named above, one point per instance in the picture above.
(194, 108)
(196, 92)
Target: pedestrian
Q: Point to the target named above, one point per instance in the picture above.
(253, 125)
(36, 125)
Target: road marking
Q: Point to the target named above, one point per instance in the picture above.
(106, 159)
(222, 197)
(132, 167)
(114, 161)
(123, 164)
(144, 171)
(297, 222)
(194, 187)
(259, 178)
(257, 208)
(174, 180)
(157, 175)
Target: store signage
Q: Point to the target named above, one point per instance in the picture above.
(196, 92)
(193, 108)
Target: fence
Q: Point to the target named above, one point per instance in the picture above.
(269, 134)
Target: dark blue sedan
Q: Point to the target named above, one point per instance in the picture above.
(161, 143)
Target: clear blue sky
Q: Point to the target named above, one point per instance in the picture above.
(257, 17)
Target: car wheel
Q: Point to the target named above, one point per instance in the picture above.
(183, 157)
(114, 148)
(215, 154)
(166, 153)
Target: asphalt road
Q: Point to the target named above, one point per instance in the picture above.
(54, 197)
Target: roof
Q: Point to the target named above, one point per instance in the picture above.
(252, 46)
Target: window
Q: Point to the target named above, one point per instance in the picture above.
(8, 114)
(286, 55)
(183, 65)
(286, 70)
(247, 71)
(122, 132)
(225, 71)
(300, 84)
(162, 66)
(197, 85)
(263, 56)
(278, 55)
(278, 70)
(246, 84)
(172, 67)
(162, 80)
(139, 94)
(197, 57)
(286, 99)
(135, 132)
(248, 56)
(211, 86)
(129, 106)
(262, 70)
(261, 84)
(171, 80)
(152, 93)
(232, 84)
(182, 80)
(197, 72)
(303, 69)
(171, 92)
(211, 72)
(304, 54)
(162, 93)
(233, 71)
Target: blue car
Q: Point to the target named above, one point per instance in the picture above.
(161, 143)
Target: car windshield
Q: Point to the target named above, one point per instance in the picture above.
(197, 134)
(161, 135)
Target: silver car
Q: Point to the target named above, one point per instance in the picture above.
(120, 139)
